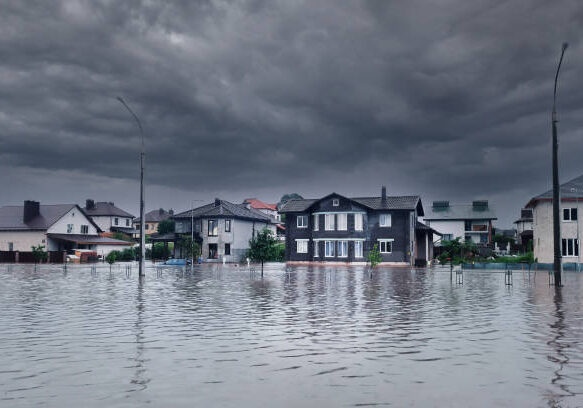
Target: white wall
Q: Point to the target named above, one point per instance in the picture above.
(454, 227)
(105, 222)
(75, 217)
(22, 240)
(543, 230)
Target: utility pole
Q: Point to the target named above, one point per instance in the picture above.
(556, 198)
(142, 269)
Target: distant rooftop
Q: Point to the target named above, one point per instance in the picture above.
(222, 208)
(103, 208)
(156, 215)
(41, 218)
(571, 190)
(443, 210)
(260, 205)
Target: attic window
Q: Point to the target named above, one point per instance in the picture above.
(335, 202)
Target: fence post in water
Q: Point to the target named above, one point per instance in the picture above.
(551, 278)
(459, 274)
(508, 277)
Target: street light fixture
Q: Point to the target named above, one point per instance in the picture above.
(556, 199)
(142, 269)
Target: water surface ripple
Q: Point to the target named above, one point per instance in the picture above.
(220, 336)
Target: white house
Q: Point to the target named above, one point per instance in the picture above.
(59, 227)
(470, 222)
(571, 194)
(222, 228)
(109, 217)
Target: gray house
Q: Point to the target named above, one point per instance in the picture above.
(341, 229)
(222, 228)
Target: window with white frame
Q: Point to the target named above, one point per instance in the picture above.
(316, 254)
(127, 222)
(84, 229)
(335, 202)
(329, 222)
(116, 221)
(342, 249)
(385, 220)
(570, 247)
(358, 249)
(302, 246)
(316, 222)
(569, 214)
(358, 222)
(69, 228)
(329, 249)
(385, 246)
(342, 222)
(302, 221)
(213, 228)
(227, 225)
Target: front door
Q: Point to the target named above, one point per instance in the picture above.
(213, 251)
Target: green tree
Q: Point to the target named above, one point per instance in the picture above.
(263, 247)
(190, 247)
(39, 253)
(457, 251)
(121, 236)
(374, 256)
(166, 226)
(111, 258)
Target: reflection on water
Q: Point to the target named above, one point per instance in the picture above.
(222, 336)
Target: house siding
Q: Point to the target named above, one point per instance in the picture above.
(399, 231)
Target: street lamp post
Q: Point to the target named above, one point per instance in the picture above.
(556, 202)
(142, 269)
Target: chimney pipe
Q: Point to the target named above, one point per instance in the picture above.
(384, 194)
(89, 204)
(31, 210)
(217, 202)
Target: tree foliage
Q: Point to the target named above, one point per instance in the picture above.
(457, 251)
(374, 256)
(190, 247)
(263, 247)
(39, 253)
(166, 226)
(111, 257)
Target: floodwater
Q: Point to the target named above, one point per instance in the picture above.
(220, 336)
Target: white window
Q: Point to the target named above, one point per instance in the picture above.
(342, 249)
(329, 249)
(116, 221)
(358, 222)
(358, 249)
(316, 244)
(385, 246)
(302, 246)
(302, 221)
(335, 202)
(69, 228)
(227, 225)
(385, 220)
(569, 214)
(342, 222)
(84, 229)
(570, 247)
(329, 222)
(316, 222)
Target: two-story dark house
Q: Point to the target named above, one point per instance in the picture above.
(341, 229)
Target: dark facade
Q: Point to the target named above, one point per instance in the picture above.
(397, 237)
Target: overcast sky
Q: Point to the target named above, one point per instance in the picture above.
(447, 99)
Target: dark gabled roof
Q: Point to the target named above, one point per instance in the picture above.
(106, 209)
(222, 208)
(11, 217)
(373, 203)
(155, 215)
(422, 227)
(89, 239)
(569, 191)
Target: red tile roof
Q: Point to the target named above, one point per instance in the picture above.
(259, 205)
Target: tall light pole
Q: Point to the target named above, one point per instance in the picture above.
(556, 202)
(142, 269)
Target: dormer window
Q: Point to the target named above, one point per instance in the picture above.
(335, 202)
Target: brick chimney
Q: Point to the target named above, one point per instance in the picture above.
(31, 210)
(384, 195)
(89, 204)
(217, 202)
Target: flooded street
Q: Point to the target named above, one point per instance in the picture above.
(311, 336)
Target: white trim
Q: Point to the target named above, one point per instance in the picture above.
(385, 239)
(338, 249)
(303, 241)
(326, 249)
(361, 250)
(340, 227)
(361, 221)
(335, 202)
(390, 224)
(298, 220)
(339, 212)
(339, 239)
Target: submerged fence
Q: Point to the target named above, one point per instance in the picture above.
(55, 257)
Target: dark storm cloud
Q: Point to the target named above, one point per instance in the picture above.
(449, 99)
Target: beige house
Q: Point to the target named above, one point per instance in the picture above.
(58, 227)
(153, 218)
(571, 194)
